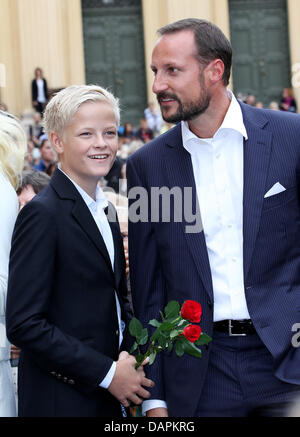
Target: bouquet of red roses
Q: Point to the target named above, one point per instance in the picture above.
(177, 328)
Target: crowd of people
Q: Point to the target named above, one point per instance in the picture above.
(68, 284)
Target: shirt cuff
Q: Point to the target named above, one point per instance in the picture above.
(105, 383)
(152, 403)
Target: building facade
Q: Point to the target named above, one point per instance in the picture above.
(110, 42)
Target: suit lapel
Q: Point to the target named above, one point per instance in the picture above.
(66, 190)
(86, 221)
(179, 171)
(257, 151)
(118, 244)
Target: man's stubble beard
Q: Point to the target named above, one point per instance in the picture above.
(188, 111)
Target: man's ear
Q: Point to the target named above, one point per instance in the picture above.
(216, 70)
(57, 142)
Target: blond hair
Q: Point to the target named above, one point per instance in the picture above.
(64, 105)
(13, 147)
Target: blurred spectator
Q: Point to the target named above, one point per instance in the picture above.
(144, 133)
(31, 184)
(30, 155)
(274, 105)
(36, 129)
(51, 167)
(114, 175)
(259, 105)
(3, 107)
(288, 102)
(39, 91)
(128, 132)
(12, 151)
(166, 126)
(154, 119)
(48, 154)
(250, 100)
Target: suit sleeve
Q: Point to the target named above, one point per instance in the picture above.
(146, 278)
(31, 271)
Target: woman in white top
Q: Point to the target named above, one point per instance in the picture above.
(12, 151)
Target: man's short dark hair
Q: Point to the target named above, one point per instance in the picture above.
(37, 179)
(210, 41)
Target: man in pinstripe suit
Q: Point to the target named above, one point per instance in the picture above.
(242, 167)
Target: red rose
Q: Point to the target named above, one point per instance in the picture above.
(192, 333)
(191, 310)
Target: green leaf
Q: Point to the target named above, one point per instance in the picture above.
(170, 347)
(172, 309)
(179, 348)
(174, 333)
(143, 338)
(191, 349)
(155, 323)
(183, 323)
(203, 339)
(152, 357)
(166, 327)
(135, 327)
(134, 347)
(162, 341)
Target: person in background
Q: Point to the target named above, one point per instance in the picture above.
(288, 102)
(12, 152)
(3, 107)
(274, 106)
(39, 91)
(32, 182)
(144, 133)
(153, 118)
(250, 100)
(36, 129)
(69, 312)
(47, 153)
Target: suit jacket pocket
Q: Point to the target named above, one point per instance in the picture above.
(280, 199)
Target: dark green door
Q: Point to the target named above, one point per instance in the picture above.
(259, 37)
(114, 52)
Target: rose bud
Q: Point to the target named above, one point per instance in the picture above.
(192, 333)
(191, 310)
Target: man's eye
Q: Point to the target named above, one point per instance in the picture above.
(173, 69)
(85, 134)
(110, 133)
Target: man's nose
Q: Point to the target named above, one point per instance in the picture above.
(159, 84)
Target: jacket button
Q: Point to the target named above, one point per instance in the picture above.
(58, 376)
(65, 379)
(117, 332)
(71, 382)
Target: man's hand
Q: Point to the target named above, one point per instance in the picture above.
(157, 412)
(14, 352)
(127, 384)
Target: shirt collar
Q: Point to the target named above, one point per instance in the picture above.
(232, 120)
(101, 200)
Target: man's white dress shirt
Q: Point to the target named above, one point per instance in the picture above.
(218, 172)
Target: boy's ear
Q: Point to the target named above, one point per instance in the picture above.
(57, 142)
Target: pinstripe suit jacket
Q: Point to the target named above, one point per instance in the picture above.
(175, 263)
